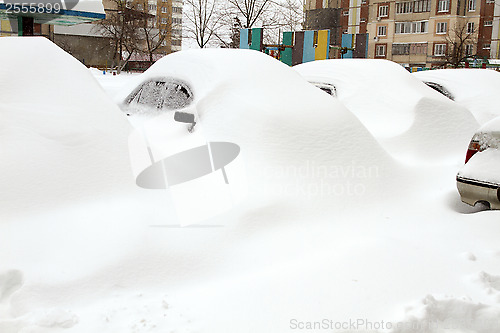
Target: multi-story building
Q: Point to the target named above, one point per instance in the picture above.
(421, 32)
(413, 32)
(169, 20)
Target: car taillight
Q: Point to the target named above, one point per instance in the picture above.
(474, 147)
(482, 141)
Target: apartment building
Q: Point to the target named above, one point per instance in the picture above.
(169, 20)
(421, 32)
(415, 33)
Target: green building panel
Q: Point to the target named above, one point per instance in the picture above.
(256, 39)
(286, 54)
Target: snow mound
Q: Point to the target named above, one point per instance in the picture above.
(281, 126)
(395, 105)
(491, 126)
(381, 93)
(475, 89)
(435, 315)
(431, 137)
(61, 138)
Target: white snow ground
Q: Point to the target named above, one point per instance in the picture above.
(83, 250)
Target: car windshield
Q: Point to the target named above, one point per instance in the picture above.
(326, 87)
(439, 88)
(165, 93)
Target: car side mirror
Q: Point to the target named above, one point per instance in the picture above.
(184, 117)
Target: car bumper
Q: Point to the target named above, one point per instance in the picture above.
(473, 191)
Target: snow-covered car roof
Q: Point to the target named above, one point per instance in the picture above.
(249, 98)
(377, 91)
(476, 89)
(409, 118)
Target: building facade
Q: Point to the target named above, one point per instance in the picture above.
(417, 33)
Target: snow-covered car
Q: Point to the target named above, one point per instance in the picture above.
(200, 113)
(474, 88)
(395, 106)
(479, 179)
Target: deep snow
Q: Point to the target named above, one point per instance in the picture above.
(412, 121)
(84, 250)
(476, 89)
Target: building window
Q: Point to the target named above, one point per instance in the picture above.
(411, 27)
(471, 5)
(177, 10)
(345, 13)
(419, 27)
(404, 7)
(164, 10)
(409, 48)
(470, 27)
(443, 6)
(380, 50)
(486, 46)
(402, 27)
(441, 27)
(469, 49)
(400, 49)
(421, 6)
(152, 7)
(164, 20)
(488, 23)
(177, 20)
(382, 30)
(139, 7)
(383, 11)
(439, 50)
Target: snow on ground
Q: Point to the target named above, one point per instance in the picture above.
(97, 254)
(476, 89)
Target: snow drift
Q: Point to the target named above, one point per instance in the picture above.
(300, 248)
(476, 89)
(393, 104)
(281, 128)
(61, 138)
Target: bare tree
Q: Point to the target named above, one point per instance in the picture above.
(151, 35)
(292, 14)
(205, 19)
(457, 40)
(119, 27)
(272, 15)
(250, 10)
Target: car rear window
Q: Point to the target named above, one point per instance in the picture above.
(164, 93)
